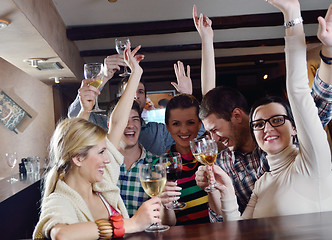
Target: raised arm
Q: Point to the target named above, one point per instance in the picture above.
(112, 64)
(314, 147)
(322, 86)
(208, 71)
(119, 117)
(325, 36)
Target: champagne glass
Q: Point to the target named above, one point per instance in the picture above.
(153, 180)
(173, 163)
(120, 45)
(205, 151)
(95, 71)
(11, 159)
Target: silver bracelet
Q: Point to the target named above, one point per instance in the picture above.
(293, 22)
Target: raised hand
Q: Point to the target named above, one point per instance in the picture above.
(184, 84)
(112, 64)
(290, 8)
(131, 59)
(203, 24)
(87, 95)
(325, 28)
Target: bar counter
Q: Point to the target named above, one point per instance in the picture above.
(304, 226)
(19, 207)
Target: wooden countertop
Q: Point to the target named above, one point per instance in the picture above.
(304, 226)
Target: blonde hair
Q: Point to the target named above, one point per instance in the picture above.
(72, 137)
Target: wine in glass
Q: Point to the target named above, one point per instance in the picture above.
(94, 71)
(153, 180)
(173, 163)
(11, 159)
(205, 151)
(120, 45)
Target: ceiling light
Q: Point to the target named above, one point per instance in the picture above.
(265, 76)
(4, 23)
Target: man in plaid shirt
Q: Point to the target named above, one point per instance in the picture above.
(134, 154)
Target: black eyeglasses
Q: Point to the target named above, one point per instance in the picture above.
(275, 121)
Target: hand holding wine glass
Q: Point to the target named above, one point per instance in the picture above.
(120, 45)
(205, 151)
(94, 71)
(11, 159)
(173, 163)
(153, 180)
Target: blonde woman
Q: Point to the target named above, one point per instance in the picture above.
(80, 198)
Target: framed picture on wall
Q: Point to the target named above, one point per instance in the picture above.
(155, 106)
(11, 114)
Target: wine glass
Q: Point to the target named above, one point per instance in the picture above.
(95, 71)
(120, 45)
(205, 151)
(173, 163)
(153, 180)
(11, 159)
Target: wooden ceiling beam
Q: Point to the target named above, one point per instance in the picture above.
(197, 46)
(76, 33)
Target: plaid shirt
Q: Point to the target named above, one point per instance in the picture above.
(245, 169)
(322, 94)
(129, 183)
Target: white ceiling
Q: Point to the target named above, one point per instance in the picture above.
(25, 37)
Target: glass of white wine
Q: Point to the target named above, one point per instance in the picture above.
(120, 45)
(205, 151)
(153, 180)
(11, 159)
(94, 71)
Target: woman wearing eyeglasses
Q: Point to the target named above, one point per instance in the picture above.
(300, 178)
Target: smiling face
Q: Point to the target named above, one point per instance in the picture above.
(183, 125)
(273, 139)
(132, 130)
(231, 133)
(93, 165)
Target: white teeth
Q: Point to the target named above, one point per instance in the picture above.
(225, 142)
(271, 138)
(129, 133)
(184, 137)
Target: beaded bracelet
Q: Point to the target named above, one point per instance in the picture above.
(105, 228)
(117, 224)
(326, 60)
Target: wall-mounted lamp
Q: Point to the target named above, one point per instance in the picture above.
(265, 76)
(34, 62)
(56, 79)
(4, 23)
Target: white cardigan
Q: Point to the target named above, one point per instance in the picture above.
(66, 206)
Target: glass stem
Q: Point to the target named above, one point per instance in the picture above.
(125, 70)
(96, 104)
